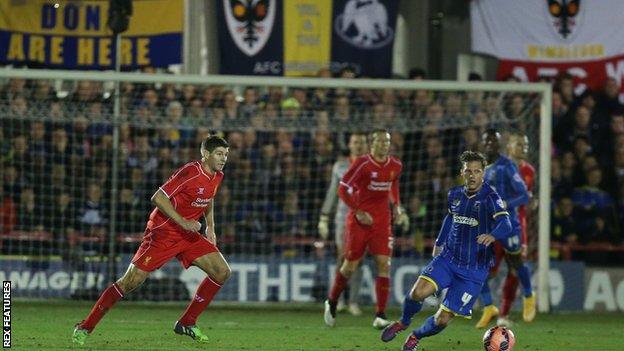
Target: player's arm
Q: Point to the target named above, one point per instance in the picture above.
(521, 193)
(346, 189)
(164, 205)
(210, 225)
(502, 226)
(446, 227)
(400, 217)
(329, 202)
(443, 234)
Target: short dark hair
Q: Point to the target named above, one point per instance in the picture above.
(417, 72)
(212, 142)
(472, 156)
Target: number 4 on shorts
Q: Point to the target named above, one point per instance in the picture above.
(466, 298)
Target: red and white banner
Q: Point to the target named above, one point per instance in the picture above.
(533, 38)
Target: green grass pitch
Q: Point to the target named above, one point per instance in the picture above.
(47, 325)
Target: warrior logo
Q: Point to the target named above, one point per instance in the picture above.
(565, 15)
(250, 23)
(364, 24)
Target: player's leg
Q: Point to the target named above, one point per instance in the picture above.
(355, 246)
(132, 279)
(207, 257)
(435, 276)
(380, 247)
(462, 292)
(382, 290)
(152, 254)
(524, 276)
(510, 286)
(489, 310)
(430, 327)
(513, 249)
(355, 281)
(348, 267)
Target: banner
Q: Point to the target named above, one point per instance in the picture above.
(250, 37)
(300, 37)
(363, 35)
(535, 38)
(74, 35)
(308, 28)
(266, 278)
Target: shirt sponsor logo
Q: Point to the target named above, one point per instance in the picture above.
(199, 202)
(473, 222)
(379, 186)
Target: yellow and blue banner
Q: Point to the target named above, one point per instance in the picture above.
(74, 35)
(300, 37)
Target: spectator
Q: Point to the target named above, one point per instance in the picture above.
(130, 215)
(417, 73)
(563, 227)
(60, 218)
(592, 202)
(7, 211)
(29, 212)
(142, 156)
(92, 214)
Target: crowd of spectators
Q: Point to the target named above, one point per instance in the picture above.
(56, 155)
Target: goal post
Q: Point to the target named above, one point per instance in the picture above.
(423, 116)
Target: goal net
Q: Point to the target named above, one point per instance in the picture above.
(78, 171)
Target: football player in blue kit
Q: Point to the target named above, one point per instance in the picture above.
(502, 174)
(462, 254)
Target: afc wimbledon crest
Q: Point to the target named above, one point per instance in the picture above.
(564, 15)
(364, 24)
(250, 23)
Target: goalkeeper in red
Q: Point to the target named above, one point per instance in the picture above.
(369, 188)
(173, 231)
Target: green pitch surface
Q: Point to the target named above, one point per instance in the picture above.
(142, 326)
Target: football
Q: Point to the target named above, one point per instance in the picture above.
(499, 339)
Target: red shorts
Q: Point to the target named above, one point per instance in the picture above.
(358, 237)
(158, 247)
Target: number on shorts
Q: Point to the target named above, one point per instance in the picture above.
(391, 242)
(513, 241)
(466, 298)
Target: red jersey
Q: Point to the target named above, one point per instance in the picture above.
(190, 189)
(527, 171)
(370, 186)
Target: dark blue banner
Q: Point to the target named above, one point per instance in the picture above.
(362, 36)
(250, 37)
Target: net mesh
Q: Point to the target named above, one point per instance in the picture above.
(57, 151)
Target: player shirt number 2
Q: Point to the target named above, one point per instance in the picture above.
(190, 189)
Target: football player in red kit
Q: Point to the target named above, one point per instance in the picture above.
(517, 150)
(369, 188)
(173, 231)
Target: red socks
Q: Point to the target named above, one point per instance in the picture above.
(205, 292)
(382, 289)
(109, 297)
(510, 286)
(340, 282)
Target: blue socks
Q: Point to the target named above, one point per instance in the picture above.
(410, 308)
(486, 294)
(524, 275)
(428, 328)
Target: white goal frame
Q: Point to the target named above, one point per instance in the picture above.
(545, 127)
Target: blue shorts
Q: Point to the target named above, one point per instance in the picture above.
(513, 243)
(464, 285)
